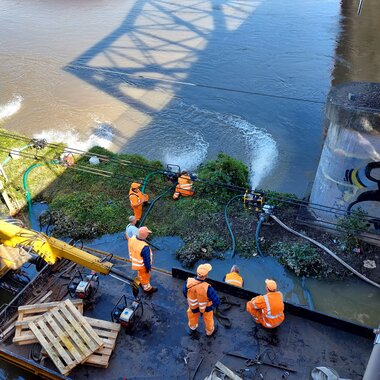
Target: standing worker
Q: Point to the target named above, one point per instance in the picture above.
(184, 186)
(268, 310)
(142, 258)
(137, 199)
(234, 278)
(202, 299)
(131, 229)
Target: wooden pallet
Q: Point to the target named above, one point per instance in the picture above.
(23, 334)
(66, 336)
(108, 331)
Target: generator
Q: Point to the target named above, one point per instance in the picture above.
(84, 286)
(127, 311)
(253, 201)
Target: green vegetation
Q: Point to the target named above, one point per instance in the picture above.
(351, 226)
(88, 201)
(225, 170)
(301, 258)
(275, 199)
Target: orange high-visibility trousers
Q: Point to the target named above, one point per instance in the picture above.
(208, 319)
(137, 210)
(144, 278)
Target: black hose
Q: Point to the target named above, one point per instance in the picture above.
(229, 226)
(258, 228)
(153, 202)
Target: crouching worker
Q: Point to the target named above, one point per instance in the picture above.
(268, 310)
(141, 257)
(184, 186)
(202, 299)
(234, 278)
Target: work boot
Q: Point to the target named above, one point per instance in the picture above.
(216, 326)
(191, 332)
(151, 290)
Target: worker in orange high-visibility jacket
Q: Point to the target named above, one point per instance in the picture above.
(234, 278)
(184, 186)
(142, 258)
(202, 299)
(137, 199)
(268, 310)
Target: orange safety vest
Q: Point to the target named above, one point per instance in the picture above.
(234, 278)
(135, 247)
(138, 198)
(197, 294)
(184, 186)
(272, 306)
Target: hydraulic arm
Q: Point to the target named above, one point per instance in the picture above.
(51, 250)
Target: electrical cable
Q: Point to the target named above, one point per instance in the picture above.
(292, 201)
(163, 80)
(301, 203)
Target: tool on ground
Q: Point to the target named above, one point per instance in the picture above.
(83, 286)
(196, 369)
(250, 362)
(127, 311)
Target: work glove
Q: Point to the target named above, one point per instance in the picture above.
(147, 270)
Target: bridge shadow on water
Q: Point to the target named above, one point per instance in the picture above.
(158, 46)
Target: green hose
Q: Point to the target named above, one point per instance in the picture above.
(154, 201)
(26, 188)
(147, 178)
(25, 184)
(229, 226)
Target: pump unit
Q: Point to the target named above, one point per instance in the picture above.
(253, 200)
(84, 286)
(127, 311)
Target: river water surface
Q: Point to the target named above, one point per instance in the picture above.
(181, 81)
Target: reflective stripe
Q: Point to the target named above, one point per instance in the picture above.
(269, 315)
(233, 281)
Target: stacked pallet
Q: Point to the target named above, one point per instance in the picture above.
(66, 336)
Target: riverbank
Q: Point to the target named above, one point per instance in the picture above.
(87, 201)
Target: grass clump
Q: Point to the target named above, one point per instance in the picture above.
(351, 226)
(301, 258)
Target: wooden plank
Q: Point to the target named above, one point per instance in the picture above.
(54, 342)
(86, 338)
(23, 334)
(46, 305)
(86, 325)
(108, 332)
(73, 335)
(64, 336)
(44, 343)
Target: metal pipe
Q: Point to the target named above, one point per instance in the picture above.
(372, 371)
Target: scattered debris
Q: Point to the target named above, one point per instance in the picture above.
(370, 264)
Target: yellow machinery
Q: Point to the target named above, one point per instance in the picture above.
(51, 250)
(253, 200)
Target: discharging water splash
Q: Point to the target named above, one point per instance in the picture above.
(185, 135)
(101, 135)
(10, 108)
